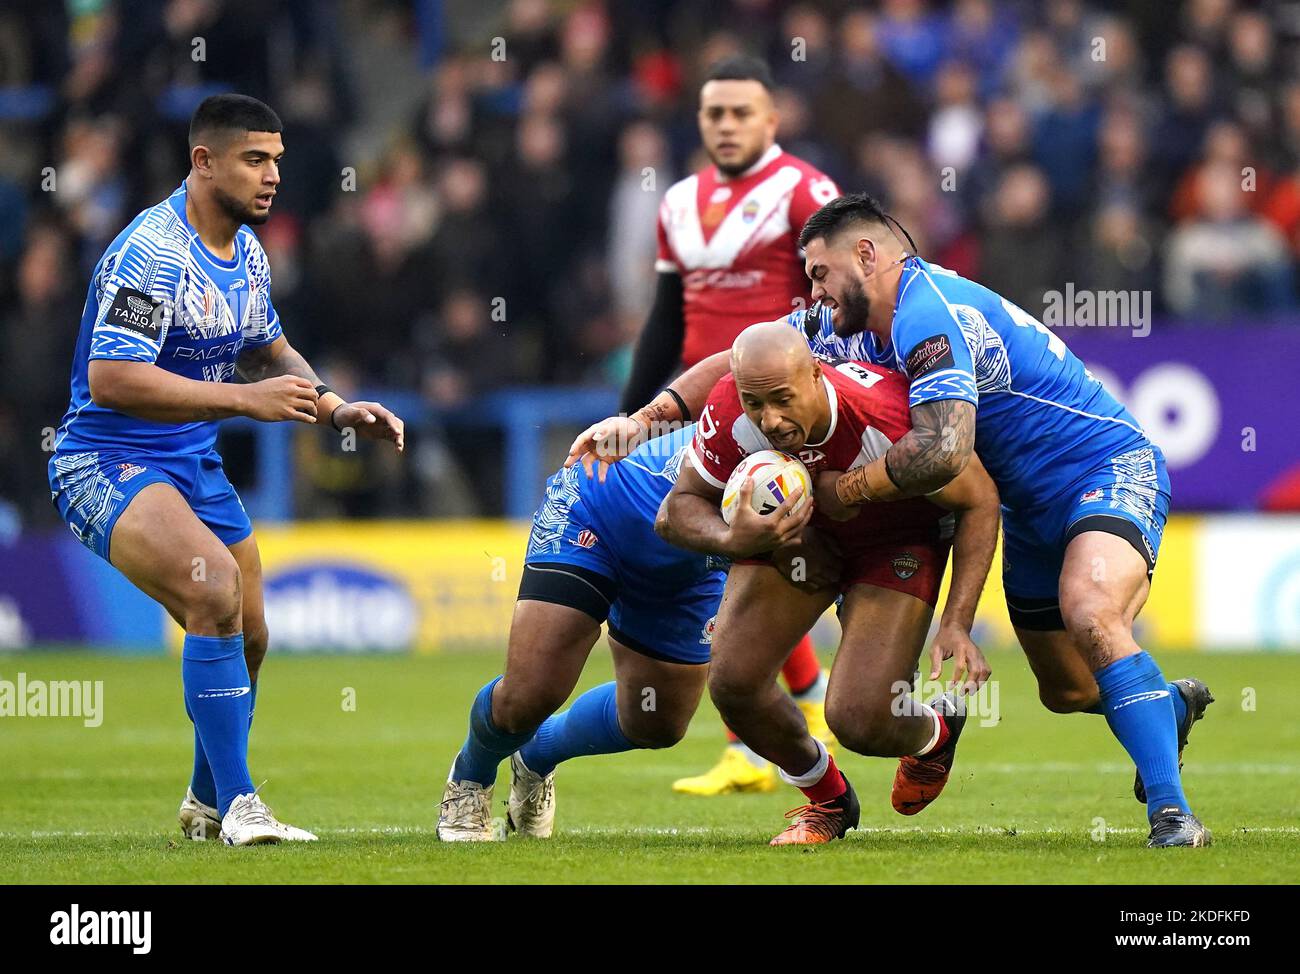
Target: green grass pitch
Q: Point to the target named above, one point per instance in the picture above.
(1029, 799)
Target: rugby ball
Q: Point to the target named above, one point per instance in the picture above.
(776, 475)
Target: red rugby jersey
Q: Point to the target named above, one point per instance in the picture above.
(869, 412)
(735, 243)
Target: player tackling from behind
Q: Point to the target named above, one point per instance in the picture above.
(1085, 493)
(886, 562)
(179, 307)
(728, 255)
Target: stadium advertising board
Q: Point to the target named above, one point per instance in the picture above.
(1230, 582)
(1217, 408)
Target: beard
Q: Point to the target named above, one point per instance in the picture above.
(237, 211)
(735, 169)
(855, 308)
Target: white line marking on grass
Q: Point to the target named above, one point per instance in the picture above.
(1071, 767)
(655, 830)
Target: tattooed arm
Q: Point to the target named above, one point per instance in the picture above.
(933, 452)
(608, 441)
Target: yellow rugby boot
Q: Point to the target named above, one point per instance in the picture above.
(733, 773)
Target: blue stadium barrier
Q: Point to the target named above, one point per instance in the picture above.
(521, 414)
(25, 103)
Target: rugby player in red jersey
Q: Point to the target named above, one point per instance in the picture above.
(886, 561)
(728, 255)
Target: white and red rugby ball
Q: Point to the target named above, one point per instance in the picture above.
(776, 475)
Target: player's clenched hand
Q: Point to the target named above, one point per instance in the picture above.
(970, 669)
(810, 563)
(281, 397)
(603, 443)
(752, 533)
(372, 420)
(828, 501)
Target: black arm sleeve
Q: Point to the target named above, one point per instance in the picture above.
(659, 349)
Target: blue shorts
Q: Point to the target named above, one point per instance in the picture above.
(1127, 496)
(91, 490)
(660, 601)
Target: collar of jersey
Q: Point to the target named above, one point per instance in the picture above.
(764, 160)
(917, 269)
(833, 397)
(178, 205)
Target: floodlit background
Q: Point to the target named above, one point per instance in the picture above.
(466, 230)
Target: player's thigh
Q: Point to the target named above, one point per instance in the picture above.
(661, 627)
(556, 622)
(656, 697)
(884, 632)
(1103, 585)
(1112, 538)
(169, 554)
(761, 618)
(253, 608)
(1065, 684)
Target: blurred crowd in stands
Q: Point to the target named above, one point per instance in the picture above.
(470, 186)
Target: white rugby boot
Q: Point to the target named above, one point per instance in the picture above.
(249, 822)
(465, 814)
(530, 811)
(198, 821)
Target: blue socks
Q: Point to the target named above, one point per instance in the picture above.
(1138, 707)
(1180, 707)
(590, 726)
(218, 699)
(201, 783)
(485, 747)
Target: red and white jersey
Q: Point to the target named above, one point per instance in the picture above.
(869, 412)
(736, 244)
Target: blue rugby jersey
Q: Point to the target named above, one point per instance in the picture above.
(625, 505)
(1042, 421)
(159, 295)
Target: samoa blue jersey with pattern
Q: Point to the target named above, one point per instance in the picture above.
(158, 295)
(627, 502)
(1043, 421)
(641, 480)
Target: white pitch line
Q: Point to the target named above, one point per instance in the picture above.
(687, 830)
(1192, 769)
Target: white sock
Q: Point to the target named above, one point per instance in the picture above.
(813, 774)
(934, 738)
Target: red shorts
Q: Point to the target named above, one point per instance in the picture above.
(912, 563)
(914, 567)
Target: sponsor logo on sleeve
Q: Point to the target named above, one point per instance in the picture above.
(929, 356)
(135, 311)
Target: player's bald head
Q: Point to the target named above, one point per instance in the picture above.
(770, 349)
(778, 382)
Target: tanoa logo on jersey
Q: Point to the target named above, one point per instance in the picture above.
(340, 607)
